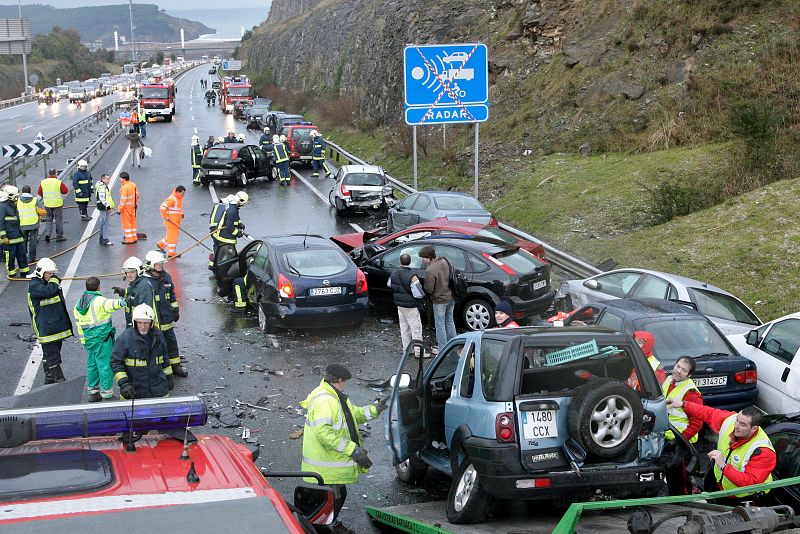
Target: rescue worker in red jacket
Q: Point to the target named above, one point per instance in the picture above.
(680, 386)
(646, 342)
(744, 455)
(502, 315)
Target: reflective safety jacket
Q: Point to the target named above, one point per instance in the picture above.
(29, 213)
(326, 439)
(142, 361)
(230, 227)
(318, 149)
(281, 155)
(51, 189)
(172, 208)
(128, 196)
(164, 303)
(197, 156)
(82, 183)
(739, 457)
(142, 116)
(140, 291)
(264, 140)
(217, 213)
(677, 416)
(103, 196)
(49, 315)
(9, 222)
(92, 315)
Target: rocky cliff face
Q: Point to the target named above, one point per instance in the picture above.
(283, 10)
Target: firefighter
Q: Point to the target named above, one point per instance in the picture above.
(30, 211)
(230, 138)
(92, 315)
(197, 158)
(51, 189)
(172, 215)
(11, 237)
(265, 143)
(211, 97)
(281, 156)
(128, 202)
(240, 292)
(139, 360)
(332, 445)
(139, 290)
(165, 305)
(231, 226)
(265, 139)
(49, 317)
(82, 185)
(318, 155)
(217, 216)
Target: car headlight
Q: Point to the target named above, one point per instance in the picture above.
(387, 190)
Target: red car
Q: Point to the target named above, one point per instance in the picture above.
(66, 469)
(377, 239)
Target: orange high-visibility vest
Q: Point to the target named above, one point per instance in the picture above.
(128, 195)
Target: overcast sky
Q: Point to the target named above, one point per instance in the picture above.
(165, 4)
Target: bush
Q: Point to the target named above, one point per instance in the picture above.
(676, 197)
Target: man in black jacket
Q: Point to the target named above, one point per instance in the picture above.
(49, 317)
(139, 361)
(401, 281)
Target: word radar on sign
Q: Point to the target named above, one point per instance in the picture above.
(445, 114)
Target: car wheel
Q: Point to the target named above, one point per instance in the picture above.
(273, 173)
(467, 501)
(204, 179)
(605, 416)
(242, 179)
(331, 199)
(477, 314)
(341, 208)
(167, 118)
(264, 323)
(411, 471)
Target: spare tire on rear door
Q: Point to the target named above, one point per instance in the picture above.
(605, 416)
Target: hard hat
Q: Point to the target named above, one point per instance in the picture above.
(283, 138)
(276, 138)
(242, 198)
(241, 137)
(314, 133)
(266, 129)
(11, 192)
(230, 199)
(82, 164)
(152, 258)
(44, 265)
(133, 264)
(195, 139)
(143, 312)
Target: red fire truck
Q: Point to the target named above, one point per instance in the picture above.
(157, 98)
(235, 94)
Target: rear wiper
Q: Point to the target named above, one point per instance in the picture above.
(711, 355)
(293, 270)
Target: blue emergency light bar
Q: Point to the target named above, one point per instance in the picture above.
(108, 418)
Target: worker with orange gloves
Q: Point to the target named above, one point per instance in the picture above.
(128, 201)
(172, 214)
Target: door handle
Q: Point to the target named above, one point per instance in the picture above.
(785, 374)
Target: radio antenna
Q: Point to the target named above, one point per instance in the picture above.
(185, 453)
(130, 447)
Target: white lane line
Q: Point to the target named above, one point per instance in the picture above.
(56, 115)
(35, 359)
(192, 117)
(195, 129)
(212, 192)
(357, 228)
(310, 186)
(28, 126)
(14, 116)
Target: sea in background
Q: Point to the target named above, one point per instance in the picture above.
(227, 22)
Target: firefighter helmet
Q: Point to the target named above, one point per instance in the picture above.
(11, 192)
(44, 265)
(242, 198)
(83, 164)
(195, 140)
(143, 312)
(283, 138)
(152, 258)
(133, 264)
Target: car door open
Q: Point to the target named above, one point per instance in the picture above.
(405, 420)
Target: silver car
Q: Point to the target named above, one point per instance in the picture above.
(428, 205)
(360, 188)
(727, 312)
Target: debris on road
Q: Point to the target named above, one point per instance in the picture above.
(240, 403)
(226, 416)
(296, 434)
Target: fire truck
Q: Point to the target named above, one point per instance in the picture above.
(235, 94)
(157, 98)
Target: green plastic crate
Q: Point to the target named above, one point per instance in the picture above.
(569, 354)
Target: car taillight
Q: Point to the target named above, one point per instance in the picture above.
(499, 263)
(746, 377)
(533, 483)
(493, 221)
(504, 428)
(345, 192)
(235, 154)
(285, 287)
(361, 282)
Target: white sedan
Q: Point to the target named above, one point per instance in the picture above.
(775, 349)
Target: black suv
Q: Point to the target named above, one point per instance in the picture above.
(725, 378)
(492, 272)
(235, 162)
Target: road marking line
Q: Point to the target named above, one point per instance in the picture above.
(357, 228)
(310, 186)
(56, 115)
(14, 116)
(34, 361)
(192, 117)
(212, 192)
(28, 126)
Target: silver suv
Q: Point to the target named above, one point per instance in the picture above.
(361, 188)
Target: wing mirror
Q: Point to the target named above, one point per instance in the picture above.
(405, 380)
(592, 284)
(751, 338)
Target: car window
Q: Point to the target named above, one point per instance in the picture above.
(492, 351)
(314, 262)
(476, 265)
(722, 306)
(610, 320)
(496, 233)
(364, 178)
(783, 340)
(259, 156)
(302, 134)
(617, 284)
(453, 255)
(218, 153)
(683, 337)
(584, 316)
(422, 203)
(468, 375)
(409, 237)
(787, 447)
(447, 365)
(408, 202)
(457, 202)
(391, 260)
(650, 287)
(521, 261)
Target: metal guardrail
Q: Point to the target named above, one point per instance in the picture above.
(16, 101)
(557, 257)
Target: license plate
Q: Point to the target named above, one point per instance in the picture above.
(711, 381)
(319, 291)
(540, 424)
(215, 173)
(539, 285)
(305, 157)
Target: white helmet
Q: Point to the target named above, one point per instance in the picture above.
(241, 137)
(195, 140)
(44, 265)
(83, 164)
(266, 129)
(242, 198)
(133, 264)
(12, 193)
(143, 312)
(283, 138)
(230, 199)
(152, 258)
(276, 139)
(314, 133)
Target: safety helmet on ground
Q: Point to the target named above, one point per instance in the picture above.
(276, 138)
(242, 198)
(230, 199)
(152, 258)
(44, 265)
(283, 138)
(83, 164)
(195, 140)
(143, 312)
(133, 264)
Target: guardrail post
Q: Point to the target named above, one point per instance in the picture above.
(24, 167)
(12, 172)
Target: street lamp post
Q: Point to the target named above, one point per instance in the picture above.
(24, 55)
(133, 42)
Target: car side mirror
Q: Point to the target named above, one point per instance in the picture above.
(405, 380)
(592, 284)
(751, 338)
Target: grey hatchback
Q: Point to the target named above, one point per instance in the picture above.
(428, 205)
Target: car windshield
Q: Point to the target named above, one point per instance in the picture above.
(677, 337)
(722, 306)
(301, 134)
(363, 178)
(154, 92)
(238, 91)
(521, 261)
(257, 110)
(497, 233)
(314, 262)
(457, 202)
(218, 153)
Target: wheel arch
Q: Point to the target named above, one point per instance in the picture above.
(457, 452)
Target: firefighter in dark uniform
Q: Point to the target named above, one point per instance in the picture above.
(265, 139)
(139, 290)
(49, 317)
(165, 306)
(231, 226)
(83, 185)
(11, 236)
(281, 159)
(318, 155)
(217, 216)
(265, 142)
(139, 360)
(197, 158)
